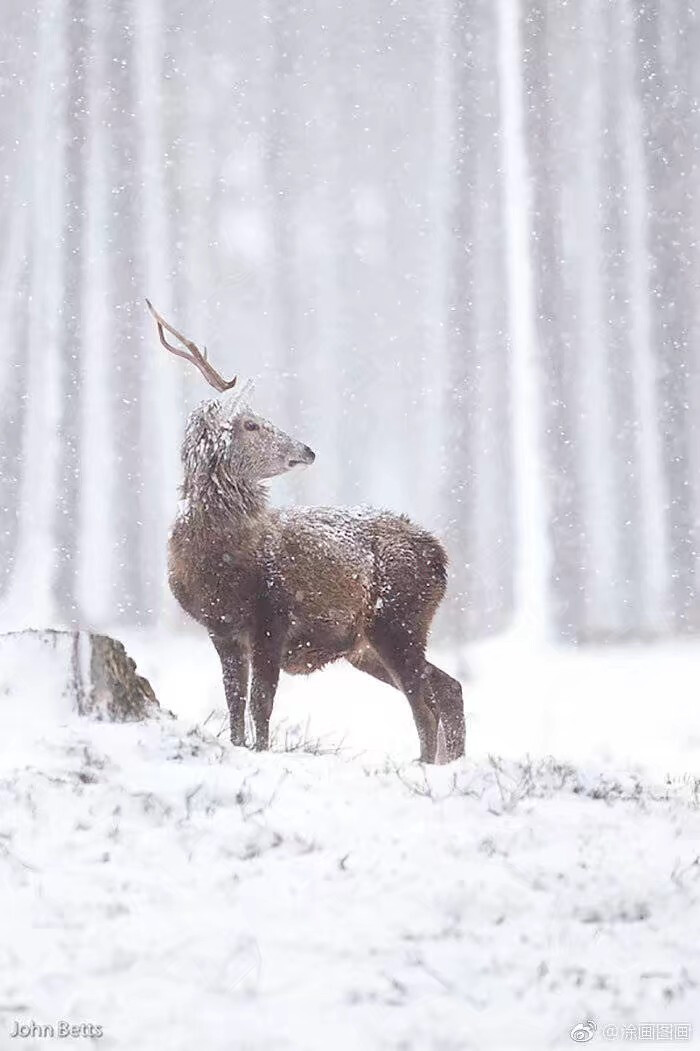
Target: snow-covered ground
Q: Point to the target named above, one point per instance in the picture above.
(181, 894)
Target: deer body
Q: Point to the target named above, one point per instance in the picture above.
(296, 589)
(321, 576)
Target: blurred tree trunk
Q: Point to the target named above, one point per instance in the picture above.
(379, 215)
(31, 594)
(528, 508)
(631, 374)
(323, 226)
(132, 597)
(667, 55)
(433, 448)
(462, 405)
(618, 334)
(14, 318)
(194, 121)
(280, 155)
(647, 466)
(71, 343)
(97, 580)
(493, 453)
(349, 59)
(476, 485)
(581, 131)
(162, 376)
(20, 88)
(171, 105)
(544, 54)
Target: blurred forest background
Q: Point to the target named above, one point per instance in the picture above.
(456, 242)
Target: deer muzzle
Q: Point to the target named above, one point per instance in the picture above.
(302, 457)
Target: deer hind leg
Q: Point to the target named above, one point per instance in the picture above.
(235, 660)
(402, 657)
(447, 693)
(367, 661)
(447, 704)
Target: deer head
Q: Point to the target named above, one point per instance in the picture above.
(225, 440)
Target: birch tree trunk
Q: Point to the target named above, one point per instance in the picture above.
(653, 615)
(460, 484)
(531, 511)
(556, 334)
(14, 326)
(161, 383)
(30, 597)
(665, 59)
(71, 339)
(132, 600)
(98, 583)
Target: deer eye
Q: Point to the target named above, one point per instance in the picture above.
(251, 425)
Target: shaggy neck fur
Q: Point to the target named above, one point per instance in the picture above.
(220, 495)
(214, 485)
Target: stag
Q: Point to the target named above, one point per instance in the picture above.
(295, 589)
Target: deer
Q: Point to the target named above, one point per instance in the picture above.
(294, 589)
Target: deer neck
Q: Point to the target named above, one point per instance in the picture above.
(229, 502)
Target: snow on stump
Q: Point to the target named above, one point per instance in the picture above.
(57, 674)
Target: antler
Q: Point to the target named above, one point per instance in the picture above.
(192, 354)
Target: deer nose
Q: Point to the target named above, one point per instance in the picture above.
(305, 456)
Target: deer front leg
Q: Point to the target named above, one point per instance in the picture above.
(235, 662)
(265, 663)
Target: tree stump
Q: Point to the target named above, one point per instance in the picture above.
(57, 674)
